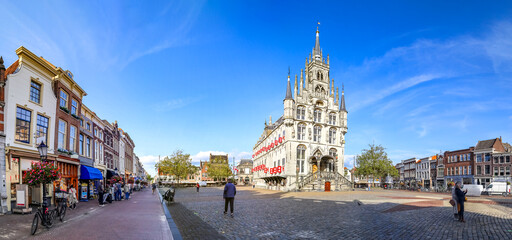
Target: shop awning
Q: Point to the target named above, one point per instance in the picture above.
(90, 173)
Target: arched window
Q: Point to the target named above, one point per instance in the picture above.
(321, 76)
(301, 131)
(301, 157)
(301, 112)
(332, 136)
(318, 75)
(317, 130)
(332, 118)
(317, 116)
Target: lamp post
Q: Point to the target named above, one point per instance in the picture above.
(297, 179)
(43, 152)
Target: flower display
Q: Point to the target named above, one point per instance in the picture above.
(116, 179)
(42, 173)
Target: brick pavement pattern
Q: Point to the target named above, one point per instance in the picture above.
(141, 217)
(385, 214)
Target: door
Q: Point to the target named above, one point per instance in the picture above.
(327, 186)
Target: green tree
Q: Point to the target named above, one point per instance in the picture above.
(218, 171)
(178, 165)
(149, 178)
(374, 162)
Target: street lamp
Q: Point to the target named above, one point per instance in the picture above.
(297, 180)
(43, 152)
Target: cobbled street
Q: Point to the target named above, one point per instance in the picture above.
(381, 214)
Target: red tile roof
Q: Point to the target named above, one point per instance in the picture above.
(11, 69)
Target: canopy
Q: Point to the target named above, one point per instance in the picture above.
(90, 173)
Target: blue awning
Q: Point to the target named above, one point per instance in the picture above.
(90, 173)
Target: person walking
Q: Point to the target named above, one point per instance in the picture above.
(153, 186)
(197, 186)
(229, 196)
(127, 191)
(100, 193)
(461, 196)
(72, 197)
(455, 208)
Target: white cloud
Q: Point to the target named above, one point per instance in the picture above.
(204, 156)
(349, 161)
(174, 104)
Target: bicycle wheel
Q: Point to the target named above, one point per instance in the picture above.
(62, 213)
(35, 223)
(49, 220)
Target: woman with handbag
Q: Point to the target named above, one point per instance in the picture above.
(453, 202)
(461, 196)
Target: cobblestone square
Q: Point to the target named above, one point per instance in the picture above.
(381, 214)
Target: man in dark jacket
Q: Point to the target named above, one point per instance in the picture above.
(100, 193)
(229, 196)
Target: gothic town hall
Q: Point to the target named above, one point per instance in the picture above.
(303, 150)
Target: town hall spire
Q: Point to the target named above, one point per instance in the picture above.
(288, 88)
(342, 104)
(317, 52)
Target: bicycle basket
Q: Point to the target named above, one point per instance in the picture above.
(61, 195)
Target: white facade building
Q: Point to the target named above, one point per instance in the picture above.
(423, 170)
(30, 110)
(121, 154)
(308, 141)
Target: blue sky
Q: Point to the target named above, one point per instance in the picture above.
(420, 77)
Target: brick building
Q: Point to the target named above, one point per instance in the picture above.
(483, 157)
(459, 166)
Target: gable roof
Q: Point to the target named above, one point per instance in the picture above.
(485, 144)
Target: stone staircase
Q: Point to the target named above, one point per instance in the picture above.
(316, 182)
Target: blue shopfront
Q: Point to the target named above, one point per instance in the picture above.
(89, 178)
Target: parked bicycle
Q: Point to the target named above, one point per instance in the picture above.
(60, 210)
(46, 216)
